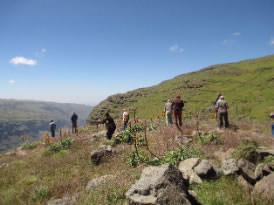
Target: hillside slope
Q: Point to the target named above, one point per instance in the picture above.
(18, 117)
(247, 86)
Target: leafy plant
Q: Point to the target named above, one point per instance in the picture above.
(175, 156)
(128, 135)
(134, 159)
(40, 193)
(29, 145)
(210, 138)
(61, 145)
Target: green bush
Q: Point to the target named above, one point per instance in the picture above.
(134, 159)
(29, 145)
(210, 138)
(175, 156)
(128, 135)
(40, 193)
(61, 145)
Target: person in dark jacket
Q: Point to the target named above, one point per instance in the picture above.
(177, 107)
(52, 127)
(110, 125)
(74, 119)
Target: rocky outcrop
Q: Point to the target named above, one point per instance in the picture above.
(97, 155)
(94, 183)
(229, 166)
(205, 170)
(247, 170)
(265, 187)
(242, 182)
(161, 185)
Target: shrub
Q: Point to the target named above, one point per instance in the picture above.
(29, 145)
(61, 145)
(40, 193)
(128, 135)
(134, 159)
(210, 138)
(175, 156)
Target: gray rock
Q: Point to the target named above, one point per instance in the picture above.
(62, 201)
(194, 178)
(94, 183)
(158, 186)
(259, 171)
(247, 170)
(188, 164)
(96, 156)
(183, 140)
(242, 182)
(229, 166)
(264, 151)
(193, 193)
(265, 187)
(271, 165)
(219, 172)
(4, 165)
(205, 170)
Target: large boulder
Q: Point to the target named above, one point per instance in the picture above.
(265, 187)
(161, 185)
(94, 183)
(97, 155)
(205, 170)
(265, 151)
(229, 166)
(247, 170)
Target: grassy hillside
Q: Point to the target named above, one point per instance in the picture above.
(247, 86)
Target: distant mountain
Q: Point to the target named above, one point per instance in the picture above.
(248, 87)
(20, 117)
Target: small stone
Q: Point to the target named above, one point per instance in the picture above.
(188, 164)
(4, 165)
(259, 171)
(94, 183)
(62, 201)
(195, 179)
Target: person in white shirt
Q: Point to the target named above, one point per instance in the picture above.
(125, 119)
(168, 112)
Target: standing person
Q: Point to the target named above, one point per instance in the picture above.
(177, 106)
(272, 125)
(125, 119)
(110, 125)
(74, 119)
(52, 127)
(168, 112)
(222, 114)
(215, 104)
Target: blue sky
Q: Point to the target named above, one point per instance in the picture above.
(84, 50)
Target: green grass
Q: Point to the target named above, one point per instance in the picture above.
(247, 87)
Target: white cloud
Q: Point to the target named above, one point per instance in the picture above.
(176, 48)
(271, 42)
(227, 42)
(22, 60)
(43, 50)
(236, 34)
(11, 82)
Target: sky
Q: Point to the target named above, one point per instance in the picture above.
(82, 51)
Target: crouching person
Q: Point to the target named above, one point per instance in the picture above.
(110, 125)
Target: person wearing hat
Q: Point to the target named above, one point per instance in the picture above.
(222, 113)
(52, 127)
(177, 106)
(272, 125)
(125, 119)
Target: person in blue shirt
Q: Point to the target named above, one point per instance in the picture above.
(272, 125)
